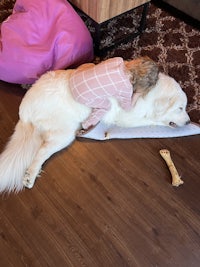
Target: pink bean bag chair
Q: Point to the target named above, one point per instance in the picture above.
(40, 36)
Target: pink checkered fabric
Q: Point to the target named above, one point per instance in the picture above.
(95, 85)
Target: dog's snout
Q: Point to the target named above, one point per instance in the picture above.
(187, 122)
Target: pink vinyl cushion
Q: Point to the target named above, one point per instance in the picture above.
(39, 36)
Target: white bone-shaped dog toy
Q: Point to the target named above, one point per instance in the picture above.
(176, 179)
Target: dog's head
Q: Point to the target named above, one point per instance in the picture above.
(170, 103)
(143, 73)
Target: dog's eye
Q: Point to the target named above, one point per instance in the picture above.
(180, 108)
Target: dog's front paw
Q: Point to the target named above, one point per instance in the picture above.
(27, 181)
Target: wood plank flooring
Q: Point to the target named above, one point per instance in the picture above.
(103, 204)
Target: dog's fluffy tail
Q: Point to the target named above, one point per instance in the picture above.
(17, 156)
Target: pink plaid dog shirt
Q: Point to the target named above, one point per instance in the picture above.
(93, 87)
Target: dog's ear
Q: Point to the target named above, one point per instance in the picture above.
(161, 105)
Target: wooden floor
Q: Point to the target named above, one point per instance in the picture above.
(103, 204)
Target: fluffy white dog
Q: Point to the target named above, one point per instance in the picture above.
(50, 117)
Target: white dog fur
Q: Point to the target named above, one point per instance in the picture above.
(50, 118)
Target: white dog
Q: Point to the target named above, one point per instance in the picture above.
(50, 118)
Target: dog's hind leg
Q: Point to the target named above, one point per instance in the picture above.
(53, 142)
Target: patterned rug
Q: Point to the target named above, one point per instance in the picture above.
(171, 42)
(168, 40)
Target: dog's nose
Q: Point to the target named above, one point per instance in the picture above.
(187, 122)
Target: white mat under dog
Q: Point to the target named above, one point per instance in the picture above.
(104, 132)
